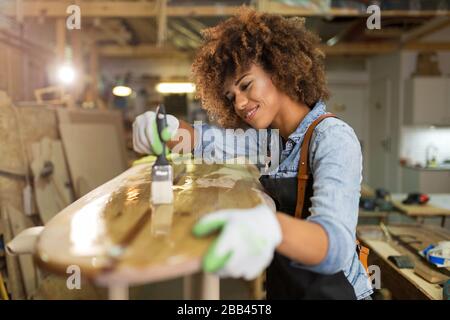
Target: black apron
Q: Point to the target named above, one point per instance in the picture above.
(285, 281)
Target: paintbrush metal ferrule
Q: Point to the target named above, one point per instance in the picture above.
(162, 182)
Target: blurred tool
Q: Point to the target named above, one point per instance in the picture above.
(402, 262)
(162, 172)
(367, 204)
(381, 202)
(416, 198)
(431, 156)
(438, 254)
(386, 232)
(446, 290)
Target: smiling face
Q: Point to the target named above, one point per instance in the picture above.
(254, 97)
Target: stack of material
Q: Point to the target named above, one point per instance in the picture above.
(38, 171)
(19, 129)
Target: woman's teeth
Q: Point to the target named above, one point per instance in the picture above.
(251, 113)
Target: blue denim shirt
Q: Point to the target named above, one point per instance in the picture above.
(336, 164)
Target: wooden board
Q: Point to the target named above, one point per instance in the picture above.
(18, 223)
(420, 210)
(111, 117)
(93, 153)
(111, 233)
(419, 237)
(15, 283)
(52, 192)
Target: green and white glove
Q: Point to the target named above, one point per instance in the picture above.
(246, 244)
(145, 133)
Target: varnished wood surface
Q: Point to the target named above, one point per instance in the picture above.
(114, 235)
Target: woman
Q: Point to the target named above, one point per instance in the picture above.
(265, 71)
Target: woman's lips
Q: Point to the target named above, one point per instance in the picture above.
(251, 114)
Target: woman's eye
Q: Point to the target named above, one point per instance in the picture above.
(245, 86)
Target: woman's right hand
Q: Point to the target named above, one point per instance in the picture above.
(142, 133)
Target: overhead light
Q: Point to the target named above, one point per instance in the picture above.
(122, 91)
(66, 74)
(175, 87)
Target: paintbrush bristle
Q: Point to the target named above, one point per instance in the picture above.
(162, 192)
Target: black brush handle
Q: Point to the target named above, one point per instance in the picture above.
(161, 123)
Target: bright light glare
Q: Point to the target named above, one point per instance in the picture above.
(66, 74)
(122, 91)
(175, 87)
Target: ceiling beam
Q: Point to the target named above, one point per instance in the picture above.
(129, 9)
(355, 48)
(375, 48)
(141, 51)
(427, 46)
(426, 29)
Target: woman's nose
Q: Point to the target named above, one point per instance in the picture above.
(241, 101)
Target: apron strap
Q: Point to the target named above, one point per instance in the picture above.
(302, 180)
(303, 166)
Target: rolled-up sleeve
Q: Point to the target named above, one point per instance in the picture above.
(336, 163)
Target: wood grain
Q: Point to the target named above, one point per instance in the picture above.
(110, 232)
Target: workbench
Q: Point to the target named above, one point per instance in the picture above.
(117, 239)
(405, 240)
(437, 206)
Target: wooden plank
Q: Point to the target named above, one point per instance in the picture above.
(111, 117)
(162, 23)
(420, 210)
(93, 153)
(94, 231)
(19, 223)
(78, 83)
(52, 191)
(17, 125)
(60, 29)
(15, 282)
(93, 74)
(427, 46)
(344, 48)
(141, 51)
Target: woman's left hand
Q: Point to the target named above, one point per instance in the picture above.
(246, 243)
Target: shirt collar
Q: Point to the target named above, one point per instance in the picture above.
(318, 110)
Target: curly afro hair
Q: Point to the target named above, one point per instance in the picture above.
(283, 47)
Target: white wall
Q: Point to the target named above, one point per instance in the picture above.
(415, 140)
(349, 101)
(384, 69)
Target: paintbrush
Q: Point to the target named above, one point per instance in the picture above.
(162, 172)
